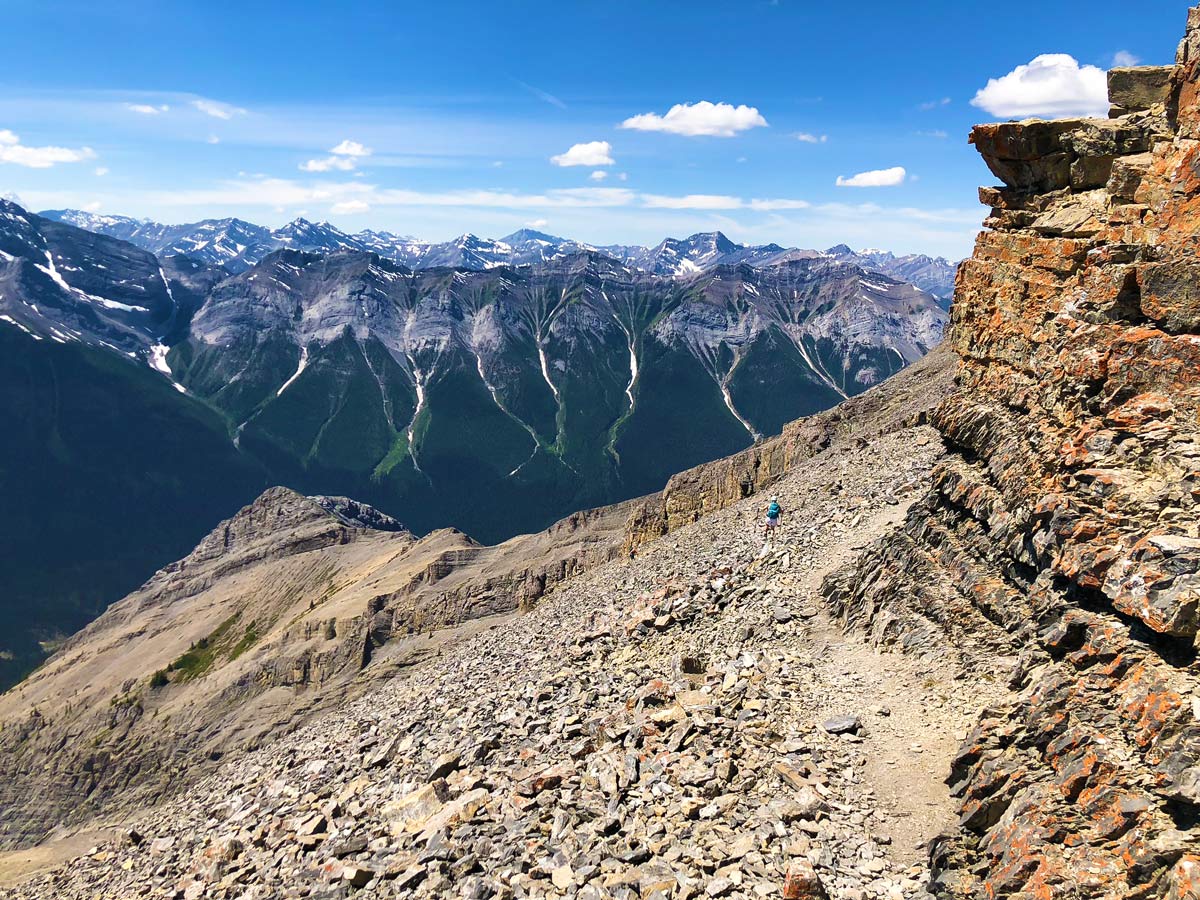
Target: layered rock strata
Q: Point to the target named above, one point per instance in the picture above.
(1061, 530)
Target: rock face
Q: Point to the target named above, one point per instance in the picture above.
(1061, 530)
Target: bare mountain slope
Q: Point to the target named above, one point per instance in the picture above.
(276, 613)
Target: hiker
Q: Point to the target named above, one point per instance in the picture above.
(774, 516)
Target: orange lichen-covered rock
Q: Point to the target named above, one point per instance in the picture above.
(1063, 530)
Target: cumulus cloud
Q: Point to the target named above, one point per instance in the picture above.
(593, 153)
(874, 178)
(537, 223)
(598, 175)
(343, 158)
(1052, 84)
(101, 170)
(13, 151)
(217, 109)
(350, 148)
(805, 138)
(146, 109)
(349, 207)
(1123, 58)
(699, 119)
(213, 139)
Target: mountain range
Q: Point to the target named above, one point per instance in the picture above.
(237, 245)
(492, 400)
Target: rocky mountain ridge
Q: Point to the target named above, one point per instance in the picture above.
(237, 245)
(287, 608)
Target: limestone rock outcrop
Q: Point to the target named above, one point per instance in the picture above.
(1062, 531)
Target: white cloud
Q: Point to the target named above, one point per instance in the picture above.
(537, 223)
(874, 178)
(622, 176)
(92, 207)
(13, 151)
(146, 109)
(261, 191)
(217, 109)
(934, 104)
(935, 133)
(328, 164)
(344, 158)
(1052, 84)
(213, 139)
(806, 138)
(350, 148)
(593, 153)
(1123, 59)
(696, 119)
(349, 207)
(598, 175)
(101, 171)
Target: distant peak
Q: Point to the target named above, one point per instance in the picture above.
(529, 234)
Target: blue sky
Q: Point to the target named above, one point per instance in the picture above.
(486, 117)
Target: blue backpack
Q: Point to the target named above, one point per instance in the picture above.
(773, 510)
